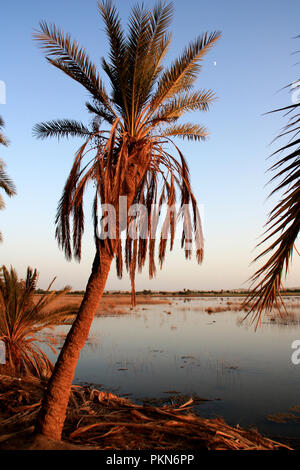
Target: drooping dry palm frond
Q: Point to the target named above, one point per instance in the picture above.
(283, 224)
(133, 158)
(22, 317)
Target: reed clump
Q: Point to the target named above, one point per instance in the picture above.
(229, 307)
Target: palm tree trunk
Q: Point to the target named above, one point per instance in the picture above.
(132, 273)
(133, 294)
(51, 418)
(52, 415)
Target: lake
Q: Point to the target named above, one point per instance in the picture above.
(173, 352)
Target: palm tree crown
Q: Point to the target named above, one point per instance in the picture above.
(127, 147)
(126, 155)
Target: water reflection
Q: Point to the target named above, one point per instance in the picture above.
(184, 348)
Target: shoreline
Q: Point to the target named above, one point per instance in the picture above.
(103, 421)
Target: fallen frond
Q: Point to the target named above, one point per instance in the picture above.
(105, 421)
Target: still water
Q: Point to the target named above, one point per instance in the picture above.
(161, 351)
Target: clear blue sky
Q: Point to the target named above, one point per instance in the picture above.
(247, 68)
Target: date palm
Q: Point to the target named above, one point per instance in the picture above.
(23, 316)
(127, 155)
(283, 224)
(5, 182)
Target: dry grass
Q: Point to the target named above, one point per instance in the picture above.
(110, 304)
(228, 307)
(104, 421)
(287, 318)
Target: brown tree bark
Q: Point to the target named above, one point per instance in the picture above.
(50, 420)
(132, 273)
(133, 294)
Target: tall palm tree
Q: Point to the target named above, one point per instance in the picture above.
(283, 223)
(22, 317)
(5, 182)
(126, 153)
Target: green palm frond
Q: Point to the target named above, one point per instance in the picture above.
(3, 139)
(161, 17)
(5, 182)
(160, 39)
(186, 131)
(283, 224)
(184, 71)
(23, 316)
(71, 59)
(60, 128)
(100, 111)
(181, 104)
(146, 46)
(114, 32)
(136, 53)
(118, 67)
